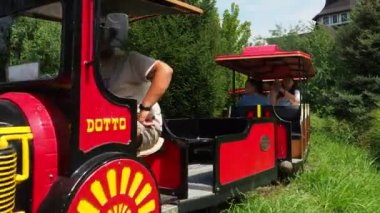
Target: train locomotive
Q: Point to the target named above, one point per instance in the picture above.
(69, 145)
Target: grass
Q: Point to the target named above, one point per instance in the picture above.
(338, 177)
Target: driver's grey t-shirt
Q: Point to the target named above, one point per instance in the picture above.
(125, 75)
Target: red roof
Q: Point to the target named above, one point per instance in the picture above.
(269, 62)
(238, 91)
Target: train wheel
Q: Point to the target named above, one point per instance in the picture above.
(118, 186)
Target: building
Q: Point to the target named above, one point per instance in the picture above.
(335, 12)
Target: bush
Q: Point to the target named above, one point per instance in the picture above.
(189, 45)
(339, 130)
(374, 135)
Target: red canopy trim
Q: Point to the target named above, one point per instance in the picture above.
(269, 62)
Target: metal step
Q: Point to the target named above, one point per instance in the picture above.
(200, 186)
(169, 208)
(200, 180)
(200, 176)
(196, 169)
(297, 160)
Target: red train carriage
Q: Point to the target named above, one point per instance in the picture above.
(270, 63)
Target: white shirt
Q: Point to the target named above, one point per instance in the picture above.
(285, 102)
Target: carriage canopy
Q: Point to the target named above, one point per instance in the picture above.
(136, 9)
(269, 62)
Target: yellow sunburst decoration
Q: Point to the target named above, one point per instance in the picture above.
(114, 188)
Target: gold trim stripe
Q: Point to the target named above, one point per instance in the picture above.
(7, 156)
(98, 192)
(15, 130)
(143, 194)
(186, 6)
(135, 184)
(258, 111)
(7, 194)
(111, 179)
(124, 180)
(148, 207)
(86, 207)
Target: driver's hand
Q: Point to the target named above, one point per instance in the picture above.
(144, 118)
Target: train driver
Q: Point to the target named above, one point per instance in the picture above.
(135, 76)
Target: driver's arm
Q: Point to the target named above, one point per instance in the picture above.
(160, 76)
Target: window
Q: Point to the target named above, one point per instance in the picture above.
(344, 17)
(30, 44)
(326, 20)
(335, 19)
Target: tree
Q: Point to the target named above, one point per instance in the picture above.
(360, 40)
(189, 44)
(36, 40)
(235, 35)
(320, 43)
(5, 25)
(359, 51)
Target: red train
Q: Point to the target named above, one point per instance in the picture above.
(69, 145)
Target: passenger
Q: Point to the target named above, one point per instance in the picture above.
(136, 76)
(285, 94)
(253, 94)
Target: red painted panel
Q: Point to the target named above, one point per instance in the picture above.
(244, 158)
(282, 141)
(43, 124)
(166, 166)
(267, 114)
(101, 122)
(250, 114)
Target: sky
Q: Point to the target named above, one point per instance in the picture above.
(265, 14)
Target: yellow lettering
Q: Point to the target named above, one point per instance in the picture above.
(123, 124)
(115, 122)
(107, 122)
(98, 125)
(90, 125)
